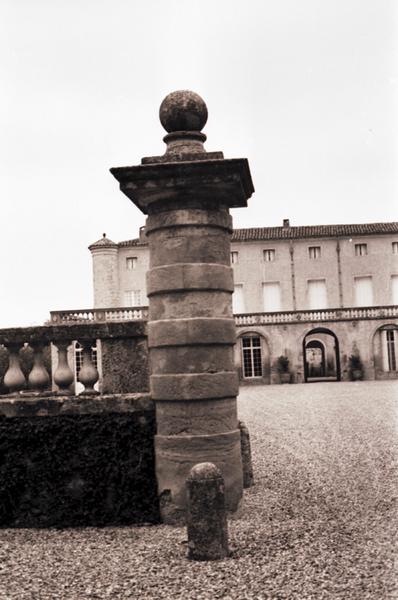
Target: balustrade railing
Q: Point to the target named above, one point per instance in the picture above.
(328, 314)
(140, 313)
(86, 328)
(39, 378)
(135, 313)
(27, 376)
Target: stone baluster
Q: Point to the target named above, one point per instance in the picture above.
(14, 378)
(63, 375)
(88, 374)
(38, 378)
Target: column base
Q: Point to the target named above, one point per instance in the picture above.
(176, 455)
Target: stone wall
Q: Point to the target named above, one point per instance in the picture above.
(251, 270)
(124, 364)
(360, 336)
(291, 259)
(134, 279)
(67, 461)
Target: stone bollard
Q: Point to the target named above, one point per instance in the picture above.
(206, 516)
(248, 479)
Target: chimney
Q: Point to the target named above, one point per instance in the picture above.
(286, 223)
(142, 237)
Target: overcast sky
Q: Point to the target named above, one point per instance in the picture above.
(306, 90)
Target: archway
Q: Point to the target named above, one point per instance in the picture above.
(321, 356)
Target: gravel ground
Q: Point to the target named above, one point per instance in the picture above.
(320, 522)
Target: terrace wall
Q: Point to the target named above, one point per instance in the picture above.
(84, 460)
(67, 461)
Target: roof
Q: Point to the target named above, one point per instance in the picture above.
(135, 242)
(302, 231)
(313, 231)
(104, 242)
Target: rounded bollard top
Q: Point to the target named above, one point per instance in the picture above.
(204, 471)
(183, 110)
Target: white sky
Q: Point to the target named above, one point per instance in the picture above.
(306, 90)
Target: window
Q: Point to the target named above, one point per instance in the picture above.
(395, 247)
(392, 360)
(238, 304)
(317, 296)
(269, 255)
(251, 356)
(363, 291)
(234, 258)
(394, 289)
(389, 341)
(131, 263)
(361, 249)
(271, 296)
(132, 298)
(314, 252)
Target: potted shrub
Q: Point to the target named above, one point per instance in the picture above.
(355, 367)
(282, 366)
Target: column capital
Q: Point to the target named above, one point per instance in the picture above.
(186, 174)
(193, 184)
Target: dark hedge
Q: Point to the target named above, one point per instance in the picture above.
(78, 470)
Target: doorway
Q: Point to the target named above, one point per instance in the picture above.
(321, 356)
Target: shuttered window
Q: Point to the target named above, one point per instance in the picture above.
(238, 304)
(363, 291)
(394, 289)
(317, 296)
(271, 296)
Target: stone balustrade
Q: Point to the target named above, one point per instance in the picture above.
(134, 313)
(140, 313)
(123, 352)
(314, 316)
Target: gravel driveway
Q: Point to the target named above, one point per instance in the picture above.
(320, 522)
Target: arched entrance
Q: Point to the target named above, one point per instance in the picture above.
(321, 356)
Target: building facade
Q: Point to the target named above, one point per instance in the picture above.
(323, 297)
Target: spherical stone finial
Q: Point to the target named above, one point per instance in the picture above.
(183, 111)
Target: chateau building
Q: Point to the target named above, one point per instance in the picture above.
(325, 297)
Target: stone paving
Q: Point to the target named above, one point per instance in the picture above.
(320, 522)
(326, 457)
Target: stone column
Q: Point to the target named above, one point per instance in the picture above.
(187, 194)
